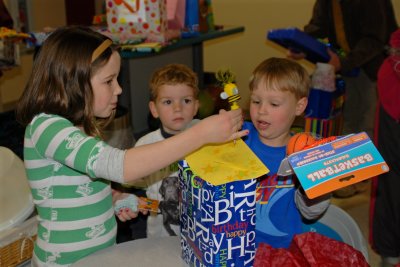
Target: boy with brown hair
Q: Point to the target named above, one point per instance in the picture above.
(174, 100)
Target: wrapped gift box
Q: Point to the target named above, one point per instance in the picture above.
(218, 204)
(324, 112)
(217, 221)
(319, 104)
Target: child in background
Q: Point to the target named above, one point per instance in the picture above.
(173, 100)
(279, 90)
(71, 94)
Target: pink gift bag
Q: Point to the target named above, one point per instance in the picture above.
(135, 19)
(176, 14)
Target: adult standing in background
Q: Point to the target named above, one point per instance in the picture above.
(385, 197)
(360, 30)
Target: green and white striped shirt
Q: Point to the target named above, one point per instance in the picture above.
(74, 207)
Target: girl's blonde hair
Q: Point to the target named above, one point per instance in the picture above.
(60, 80)
(282, 74)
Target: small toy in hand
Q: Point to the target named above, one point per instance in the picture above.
(321, 141)
(302, 141)
(132, 202)
(231, 92)
(149, 204)
(298, 142)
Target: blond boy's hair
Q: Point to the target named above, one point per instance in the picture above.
(283, 75)
(173, 74)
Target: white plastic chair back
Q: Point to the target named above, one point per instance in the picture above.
(16, 203)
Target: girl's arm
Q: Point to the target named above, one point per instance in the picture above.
(56, 139)
(144, 160)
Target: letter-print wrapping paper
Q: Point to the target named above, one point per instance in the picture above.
(217, 222)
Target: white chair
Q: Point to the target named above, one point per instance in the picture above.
(16, 203)
(339, 225)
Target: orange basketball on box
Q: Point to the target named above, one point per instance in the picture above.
(298, 142)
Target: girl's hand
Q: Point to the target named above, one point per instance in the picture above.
(223, 127)
(126, 205)
(126, 214)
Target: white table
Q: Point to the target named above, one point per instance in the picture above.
(145, 252)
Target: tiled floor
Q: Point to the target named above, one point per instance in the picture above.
(358, 208)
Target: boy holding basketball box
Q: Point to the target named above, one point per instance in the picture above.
(279, 89)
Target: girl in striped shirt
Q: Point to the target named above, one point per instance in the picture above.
(70, 96)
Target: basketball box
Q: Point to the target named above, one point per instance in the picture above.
(342, 162)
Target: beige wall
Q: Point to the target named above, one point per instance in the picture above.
(241, 52)
(45, 13)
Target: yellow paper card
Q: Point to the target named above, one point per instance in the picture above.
(224, 163)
